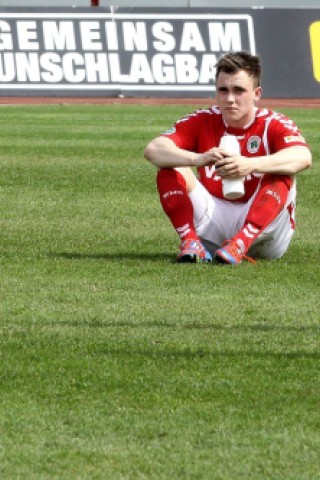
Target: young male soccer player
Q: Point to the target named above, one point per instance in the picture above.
(261, 223)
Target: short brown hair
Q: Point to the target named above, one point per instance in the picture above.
(233, 62)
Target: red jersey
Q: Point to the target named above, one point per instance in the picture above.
(201, 130)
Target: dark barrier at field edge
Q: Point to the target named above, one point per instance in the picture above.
(153, 52)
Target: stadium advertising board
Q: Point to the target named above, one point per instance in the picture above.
(85, 52)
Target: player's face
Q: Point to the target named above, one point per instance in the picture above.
(236, 96)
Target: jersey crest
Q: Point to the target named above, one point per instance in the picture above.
(253, 144)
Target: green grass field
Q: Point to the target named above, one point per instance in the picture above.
(116, 362)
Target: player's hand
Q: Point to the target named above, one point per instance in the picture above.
(233, 167)
(210, 157)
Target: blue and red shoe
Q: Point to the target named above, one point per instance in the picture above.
(192, 251)
(231, 253)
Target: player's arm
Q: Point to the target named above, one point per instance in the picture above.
(164, 153)
(287, 161)
(291, 153)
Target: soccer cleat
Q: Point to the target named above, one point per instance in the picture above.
(232, 253)
(192, 251)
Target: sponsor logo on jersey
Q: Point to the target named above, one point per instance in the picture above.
(294, 138)
(253, 144)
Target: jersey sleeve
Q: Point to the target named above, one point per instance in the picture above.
(184, 133)
(284, 133)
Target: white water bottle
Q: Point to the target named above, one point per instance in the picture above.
(232, 189)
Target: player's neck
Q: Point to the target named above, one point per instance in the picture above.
(245, 123)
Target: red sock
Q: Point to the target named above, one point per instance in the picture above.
(267, 205)
(176, 203)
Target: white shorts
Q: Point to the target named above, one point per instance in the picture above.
(218, 220)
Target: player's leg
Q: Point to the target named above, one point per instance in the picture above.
(268, 205)
(174, 187)
(209, 214)
(275, 239)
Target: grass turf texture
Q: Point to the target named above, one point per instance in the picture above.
(117, 363)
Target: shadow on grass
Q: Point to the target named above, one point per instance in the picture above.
(164, 353)
(214, 327)
(115, 257)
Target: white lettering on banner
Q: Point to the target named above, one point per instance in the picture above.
(71, 63)
(165, 41)
(5, 36)
(163, 69)
(50, 63)
(111, 36)
(208, 69)
(117, 76)
(140, 69)
(118, 51)
(7, 68)
(97, 67)
(187, 71)
(59, 36)
(90, 36)
(29, 69)
(27, 36)
(135, 36)
(53, 68)
(191, 38)
(224, 37)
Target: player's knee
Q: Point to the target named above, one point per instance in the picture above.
(169, 177)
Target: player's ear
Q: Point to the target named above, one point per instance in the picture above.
(257, 93)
